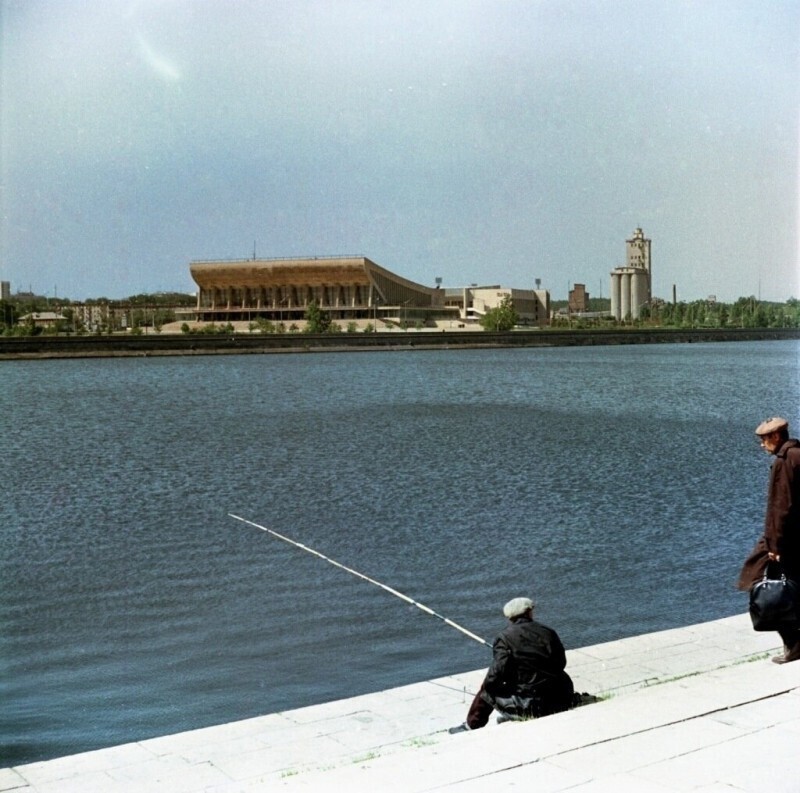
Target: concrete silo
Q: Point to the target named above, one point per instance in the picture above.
(630, 284)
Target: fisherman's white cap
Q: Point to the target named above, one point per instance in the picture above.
(771, 425)
(516, 607)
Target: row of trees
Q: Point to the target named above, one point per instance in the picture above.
(268, 326)
(154, 311)
(316, 321)
(137, 320)
(139, 311)
(746, 312)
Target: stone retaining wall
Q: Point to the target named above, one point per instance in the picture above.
(201, 344)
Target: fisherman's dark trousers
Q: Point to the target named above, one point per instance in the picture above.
(481, 708)
(479, 711)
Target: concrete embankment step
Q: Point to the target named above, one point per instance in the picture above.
(700, 732)
(680, 706)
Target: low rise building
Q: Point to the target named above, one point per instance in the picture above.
(42, 319)
(531, 305)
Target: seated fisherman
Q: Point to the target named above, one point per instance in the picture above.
(526, 678)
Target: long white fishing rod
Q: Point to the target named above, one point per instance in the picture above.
(388, 589)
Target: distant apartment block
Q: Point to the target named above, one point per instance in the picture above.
(93, 317)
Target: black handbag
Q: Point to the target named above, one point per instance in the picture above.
(774, 603)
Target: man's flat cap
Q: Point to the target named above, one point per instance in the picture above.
(771, 425)
(516, 607)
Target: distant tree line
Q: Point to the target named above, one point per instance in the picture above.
(746, 312)
(140, 311)
(144, 311)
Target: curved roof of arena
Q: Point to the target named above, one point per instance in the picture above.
(316, 271)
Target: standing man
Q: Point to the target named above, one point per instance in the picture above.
(527, 677)
(781, 539)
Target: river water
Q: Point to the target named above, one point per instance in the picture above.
(620, 487)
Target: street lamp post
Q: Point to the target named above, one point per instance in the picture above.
(405, 315)
(375, 311)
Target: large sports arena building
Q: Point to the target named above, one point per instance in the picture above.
(346, 288)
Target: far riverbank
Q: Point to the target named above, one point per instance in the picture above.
(27, 347)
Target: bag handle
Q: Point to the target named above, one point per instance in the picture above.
(772, 564)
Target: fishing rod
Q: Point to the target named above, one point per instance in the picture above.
(386, 588)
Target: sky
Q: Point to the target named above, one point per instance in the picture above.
(476, 141)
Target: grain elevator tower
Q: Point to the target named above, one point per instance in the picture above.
(631, 283)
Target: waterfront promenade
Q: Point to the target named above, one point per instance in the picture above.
(697, 708)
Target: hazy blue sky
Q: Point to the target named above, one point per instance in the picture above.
(479, 141)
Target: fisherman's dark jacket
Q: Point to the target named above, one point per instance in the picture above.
(528, 659)
(781, 520)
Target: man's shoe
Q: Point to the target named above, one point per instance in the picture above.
(463, 727)
(789, 654)
(792, 653)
